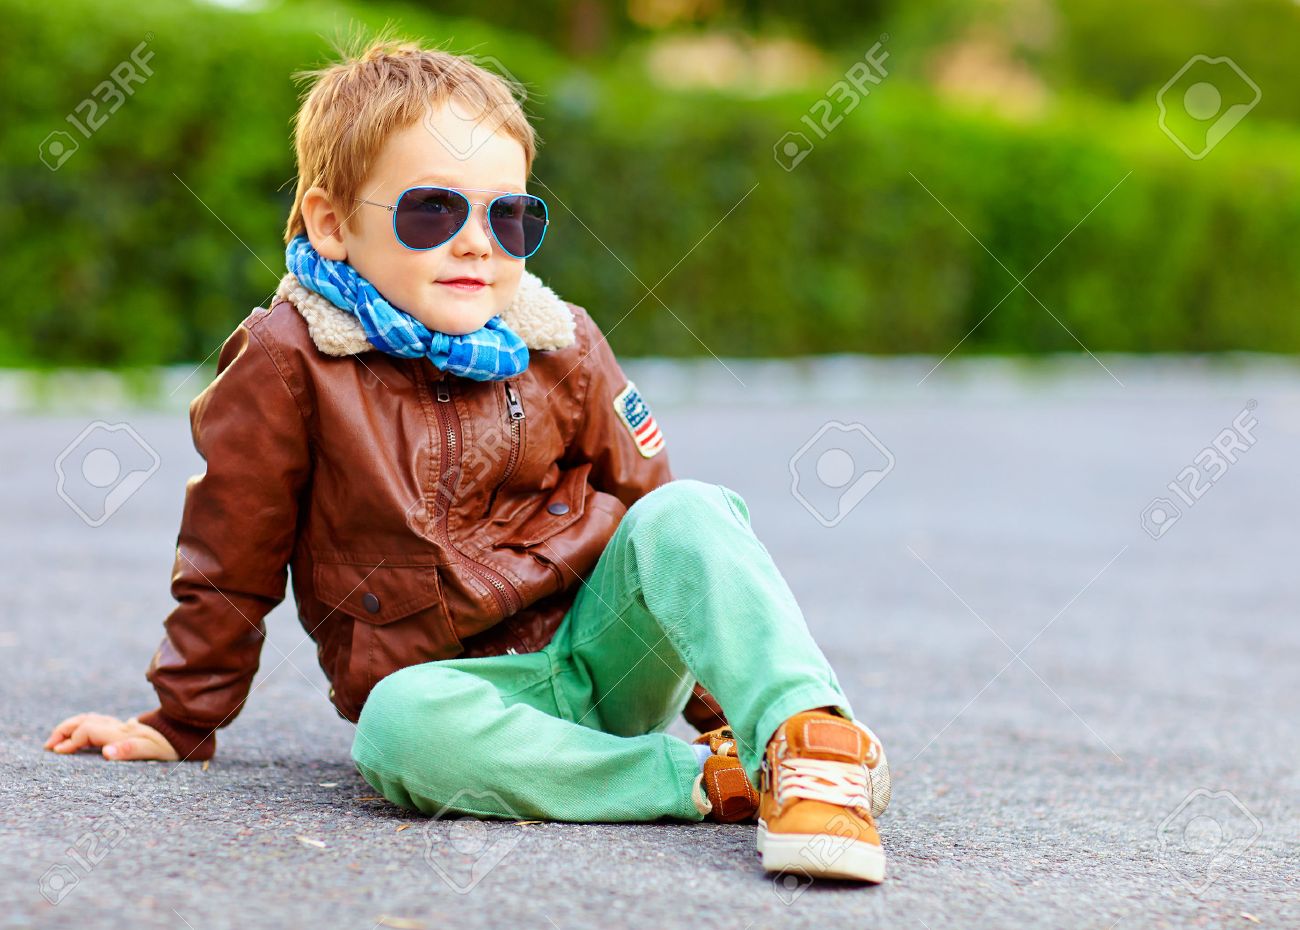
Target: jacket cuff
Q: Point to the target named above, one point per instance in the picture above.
(702, 710)
(192, 744)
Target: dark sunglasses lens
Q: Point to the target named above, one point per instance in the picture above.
(428, 216)
(519, 222)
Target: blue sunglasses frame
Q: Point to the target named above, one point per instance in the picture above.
(469, 213)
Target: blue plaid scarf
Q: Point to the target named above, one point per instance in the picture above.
(488, 354)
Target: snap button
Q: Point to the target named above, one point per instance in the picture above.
(558, 508)
(370, 602)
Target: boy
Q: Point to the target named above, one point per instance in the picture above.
(509, 591)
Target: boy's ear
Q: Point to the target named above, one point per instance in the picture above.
(324, 225)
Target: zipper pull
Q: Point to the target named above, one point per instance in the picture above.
(443, 393)
(512, 400)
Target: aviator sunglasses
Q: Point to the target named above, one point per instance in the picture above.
(427, 217)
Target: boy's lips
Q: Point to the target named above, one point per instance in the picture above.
(464, 284)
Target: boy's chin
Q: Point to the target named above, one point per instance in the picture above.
(454, 321)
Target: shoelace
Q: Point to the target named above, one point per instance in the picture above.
(845, 784)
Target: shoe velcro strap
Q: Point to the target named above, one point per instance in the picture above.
(833, 738)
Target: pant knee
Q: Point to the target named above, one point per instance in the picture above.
(410, 710)
(680, 508)
(426, 738)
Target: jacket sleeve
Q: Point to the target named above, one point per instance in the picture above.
(236, 537)
(619, 466)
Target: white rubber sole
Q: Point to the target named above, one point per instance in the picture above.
(821, 856)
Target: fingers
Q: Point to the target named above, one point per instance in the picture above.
(85, 730)
(120, 741)
(81, 735)
(63, 730)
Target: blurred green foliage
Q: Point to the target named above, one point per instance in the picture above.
(162, 229)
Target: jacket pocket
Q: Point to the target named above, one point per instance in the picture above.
(376, 593)
(559, 510)
(399, 619)
(569, 545)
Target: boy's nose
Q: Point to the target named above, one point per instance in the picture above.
(476, 235)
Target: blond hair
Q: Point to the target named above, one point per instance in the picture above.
(382, 86)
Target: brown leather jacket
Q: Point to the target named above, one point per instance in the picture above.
(422, 515)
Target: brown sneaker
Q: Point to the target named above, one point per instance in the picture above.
(816, 799)
(722, 792)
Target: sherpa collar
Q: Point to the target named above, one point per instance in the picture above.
(537, 315)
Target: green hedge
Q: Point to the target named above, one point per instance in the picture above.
(111, 260)
(849, 252)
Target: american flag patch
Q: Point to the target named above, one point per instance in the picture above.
(640, 422)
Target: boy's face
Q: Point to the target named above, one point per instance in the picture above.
(419, 281)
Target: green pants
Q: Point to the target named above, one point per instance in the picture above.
(684, 591)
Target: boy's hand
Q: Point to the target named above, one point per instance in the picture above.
(121, 740)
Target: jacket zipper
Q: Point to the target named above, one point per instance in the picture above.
(450, 424)
(516, 426)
